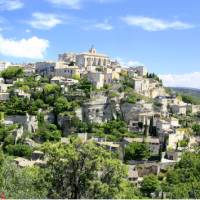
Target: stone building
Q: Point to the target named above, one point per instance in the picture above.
(83, 60)
(179, 108)
(137, 71)
(29, 69)
(141, 85)
(92, 58)
(4, 65)
(96, 78)
(65, 70)
(67, 57)
(45, 68)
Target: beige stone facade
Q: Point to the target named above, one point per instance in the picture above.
(62, 69)
(92, 58)
(96, 78)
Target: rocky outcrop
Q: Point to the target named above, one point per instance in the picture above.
(129, 111)
(79, 113)
(28, 122)
(49, 117)
(98, 109)
(17, 133)
(65, 123)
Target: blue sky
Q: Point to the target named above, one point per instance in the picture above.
(162, 35)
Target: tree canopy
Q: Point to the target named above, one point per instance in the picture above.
(183, 181)
(137, 151)
(82, 170)
(12, 72)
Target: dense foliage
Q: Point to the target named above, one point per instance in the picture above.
(82, 170)
(189, 95)
(137, 151)
(184, 180)
(22, 183)
(12, 72)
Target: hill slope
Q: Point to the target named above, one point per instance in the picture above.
(190, 95)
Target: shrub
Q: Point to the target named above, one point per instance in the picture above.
(137, 151)
(20, 150)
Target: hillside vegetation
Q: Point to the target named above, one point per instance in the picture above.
(189, 95)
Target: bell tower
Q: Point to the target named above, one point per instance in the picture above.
(92, 50)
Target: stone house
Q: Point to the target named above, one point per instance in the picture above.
(65, 81)
(140, 70)
(96, 78)
(21, 93)
(132, 173)
(62, 69)
(141, 85)
(174, 155)
(45, 68)
(195, 108)
(179, 108)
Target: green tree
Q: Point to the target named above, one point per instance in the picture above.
(196, 129)
(48, 132)
(51, 92)
(62, 105)
(23, 183)
(137, 151)
(150, 184)
(83, 170)
(12, 72)
(183, 181)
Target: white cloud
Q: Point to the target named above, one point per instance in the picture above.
(73, 4)
(134, 63)
(153, 24)
(27, 30)
(182, 80)
(100, 26)
(129, 63)
(76, 4)
(34, 47)
(44, 21)
(103, 26)
(11, 4)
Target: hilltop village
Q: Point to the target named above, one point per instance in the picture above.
(93, 99)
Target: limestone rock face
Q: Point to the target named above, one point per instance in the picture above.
(79, 113)
(64, 123)
(17, 133)
(129, 112)
(29, 122)
(49, 117)
(98, 109)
